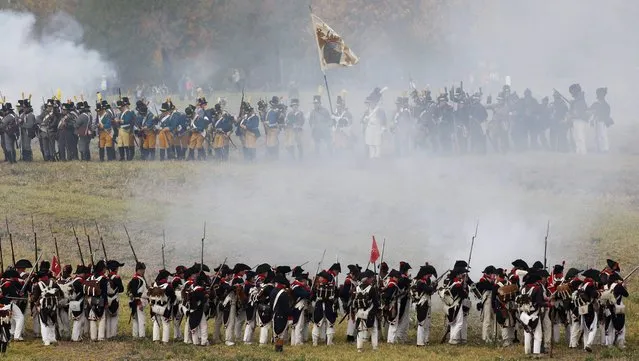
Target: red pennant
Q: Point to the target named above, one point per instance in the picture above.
(374, 252)
(56, 268)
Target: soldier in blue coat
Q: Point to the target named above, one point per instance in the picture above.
(250, 127)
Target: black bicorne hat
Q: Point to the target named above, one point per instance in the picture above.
(165, 107)
(520, 264)
(489, 270)
(394, 273)
(282, 270)
(240, 267)
(295, 101)
(274, 100)
(404, 267)
(112, 265)
(125, 101)
(335, 267)
(281, 279)
(162, 275)
(538, 265)
(263, 268)
(317, 99)
(558, 269)
(354, 269)
(297, 271)
(613, 265)
(23, 263)
(139, 266)
(99, 267)
(426, 270)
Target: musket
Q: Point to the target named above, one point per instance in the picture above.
(77, 241)
(163, 245)
(562, 96)
(55, 243)
(381, 259)
(35, 240)
(13, 255)
(546, 244)
(26, 282)
(472, 243)
(1, 260)
(218, 271)
(201, 249)
(319, 265)
(630, 274)
(89, 242)
(441, 276)
(132, 250)
(101, 241)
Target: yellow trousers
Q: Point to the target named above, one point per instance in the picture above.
(220, 141)
(125, 138)
(149, 140)
(165, 138)
(196, 141)
(250, 140)
(106, 139)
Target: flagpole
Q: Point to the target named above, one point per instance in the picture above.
(328, 92)
(319, 54)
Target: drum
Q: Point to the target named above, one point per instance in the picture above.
(564, 291)
(507, 293)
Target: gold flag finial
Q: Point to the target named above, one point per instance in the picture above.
(59, 94)
(98, 96)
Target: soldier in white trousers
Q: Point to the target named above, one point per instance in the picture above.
(579, 117)
(600, 111)
(137, 291)
(114, 289)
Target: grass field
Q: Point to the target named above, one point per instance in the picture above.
(594, 198)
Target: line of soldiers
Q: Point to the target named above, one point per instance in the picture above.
(459, 123)
(280, 305)
(456, 123)
(65, 130)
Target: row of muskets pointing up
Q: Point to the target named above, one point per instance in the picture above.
(281, 304)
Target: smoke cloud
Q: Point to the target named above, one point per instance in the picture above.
(39, 64)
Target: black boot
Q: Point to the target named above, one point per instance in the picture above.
(82, 156)
(350, 339)
(191, 155)
(151, 154)
(162, 154)
(122, 152)
(182, 153)
(88, 155)
(101, 154)
(130, 153)
(201, 154)
(27, 155)
(12, 158)
(144, 154)
(110, 151)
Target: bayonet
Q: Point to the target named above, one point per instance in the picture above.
(89, 242)
(77, 241)
(35, 240)
(13, 255)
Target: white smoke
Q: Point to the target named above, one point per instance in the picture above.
(39, 65)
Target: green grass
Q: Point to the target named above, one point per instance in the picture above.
(141, 194)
